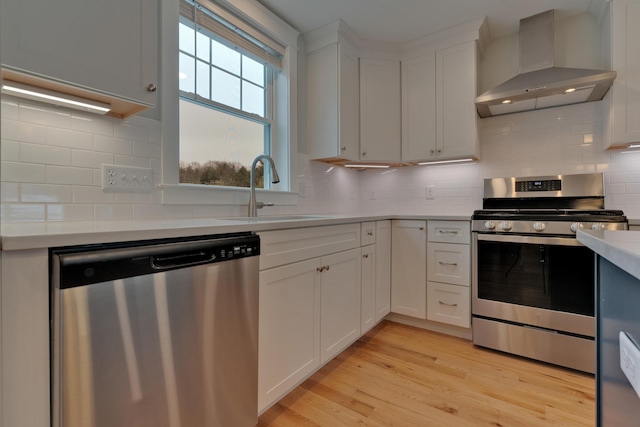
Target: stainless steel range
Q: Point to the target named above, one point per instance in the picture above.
(533, 282)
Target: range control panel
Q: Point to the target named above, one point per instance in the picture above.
(546, 185)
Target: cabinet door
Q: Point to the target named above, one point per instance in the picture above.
(449, 304)
(383, 269)
(289, 333)
(625, 96)
(380, 110)
(339, 302)
(333, 102)
(368, 288)
(409, 268)
(449, 263)
(456, 76)
(419, 108)
(109, 47)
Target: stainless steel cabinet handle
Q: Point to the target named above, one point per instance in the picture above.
(447, 232)
(448, 305)
(447, 263)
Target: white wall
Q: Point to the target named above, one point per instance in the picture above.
(51, 160)
(564, 140)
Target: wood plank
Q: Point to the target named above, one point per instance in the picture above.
(399, 375)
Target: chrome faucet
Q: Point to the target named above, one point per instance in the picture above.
(253, 205)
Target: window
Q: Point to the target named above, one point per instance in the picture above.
(226, 82)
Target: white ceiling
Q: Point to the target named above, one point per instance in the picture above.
(400, 21)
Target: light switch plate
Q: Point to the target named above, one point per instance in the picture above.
(630, 361)
(127, 179)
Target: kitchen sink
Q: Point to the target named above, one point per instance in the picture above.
(274, 218)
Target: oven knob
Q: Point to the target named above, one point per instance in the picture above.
(539, 226)
(576, 226)
(490, 225)
(506, 225)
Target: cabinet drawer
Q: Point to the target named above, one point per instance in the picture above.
(448, 263)
(449, 231)
(449, 304)
(288, 246)
(367, 233)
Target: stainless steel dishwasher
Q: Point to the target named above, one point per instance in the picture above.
(156, 333)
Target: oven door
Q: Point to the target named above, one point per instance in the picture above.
(545, 282)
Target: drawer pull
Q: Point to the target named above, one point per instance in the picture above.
(323, 268)
(365, 256)
(447, 263)
(420, 228)
(447, 232)
(369, 233)
(447, 304)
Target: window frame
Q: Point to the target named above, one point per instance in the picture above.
(284, 126)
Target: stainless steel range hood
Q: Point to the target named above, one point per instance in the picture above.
(540, 84)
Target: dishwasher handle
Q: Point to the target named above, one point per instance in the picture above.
(182, 260)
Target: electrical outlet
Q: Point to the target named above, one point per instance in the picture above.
(127, 179)
(428, 192)
(630, 361)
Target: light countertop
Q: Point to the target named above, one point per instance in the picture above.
(18, 236)
(622, 248)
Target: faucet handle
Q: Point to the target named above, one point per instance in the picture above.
(260, 205)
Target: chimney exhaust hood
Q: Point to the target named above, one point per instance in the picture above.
(540, 84)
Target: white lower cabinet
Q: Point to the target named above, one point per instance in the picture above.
(382, 270)
(339, 302)
(448, 304)
(368, 289)
(409, 268)
(289, 344)
(310, 310)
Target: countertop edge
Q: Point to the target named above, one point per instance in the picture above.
(25, 236)
(622, 248)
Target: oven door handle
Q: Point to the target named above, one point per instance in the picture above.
(534, 240)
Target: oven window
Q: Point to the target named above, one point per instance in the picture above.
(553, 277)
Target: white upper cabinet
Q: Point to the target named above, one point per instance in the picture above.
(419, 108)
(106, 51)
(456, 91)
(332, 98)
(625, 59)
(439, 115)
(380, 110)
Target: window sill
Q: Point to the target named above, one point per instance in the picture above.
(190, 194)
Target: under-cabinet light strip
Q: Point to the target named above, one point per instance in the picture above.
(440, 162)
(53, 97)
(367, 166)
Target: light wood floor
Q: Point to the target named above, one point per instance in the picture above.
(398, 375)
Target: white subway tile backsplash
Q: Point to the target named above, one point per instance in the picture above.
(110, 144)
(90, 123)
(52, 158)
(45, 193)
(91, 195)
(18, 212)
(9, 151)
(9, 192)
(45, 154)
(68, 175)
(131, 131)
(46, 115)
(69, 138)
(91, 159)
(21, 172)
(112, 212)
(147, 150)
(23, 132)
(70, 212)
